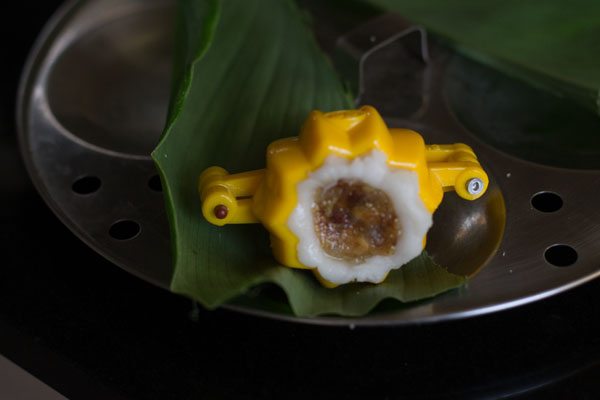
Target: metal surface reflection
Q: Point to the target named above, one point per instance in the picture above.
(70, 128)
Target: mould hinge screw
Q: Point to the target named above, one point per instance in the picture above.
(475, 186)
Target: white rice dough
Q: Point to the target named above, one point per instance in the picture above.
(402, 187)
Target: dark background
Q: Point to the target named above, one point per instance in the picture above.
(92, 331)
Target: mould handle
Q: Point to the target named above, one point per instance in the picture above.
(456, 167)
(227, 199)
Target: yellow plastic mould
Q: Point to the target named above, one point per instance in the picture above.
(269, 195)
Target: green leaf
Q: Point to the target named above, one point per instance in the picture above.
(249, 73)
(419, 279)
(552, 43)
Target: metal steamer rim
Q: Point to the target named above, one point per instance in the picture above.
(92, 103)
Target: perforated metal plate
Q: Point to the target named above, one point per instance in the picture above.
(93, 102)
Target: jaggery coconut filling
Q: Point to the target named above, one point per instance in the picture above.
(354, 221)
(358, 219)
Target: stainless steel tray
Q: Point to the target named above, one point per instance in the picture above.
(93, 101)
